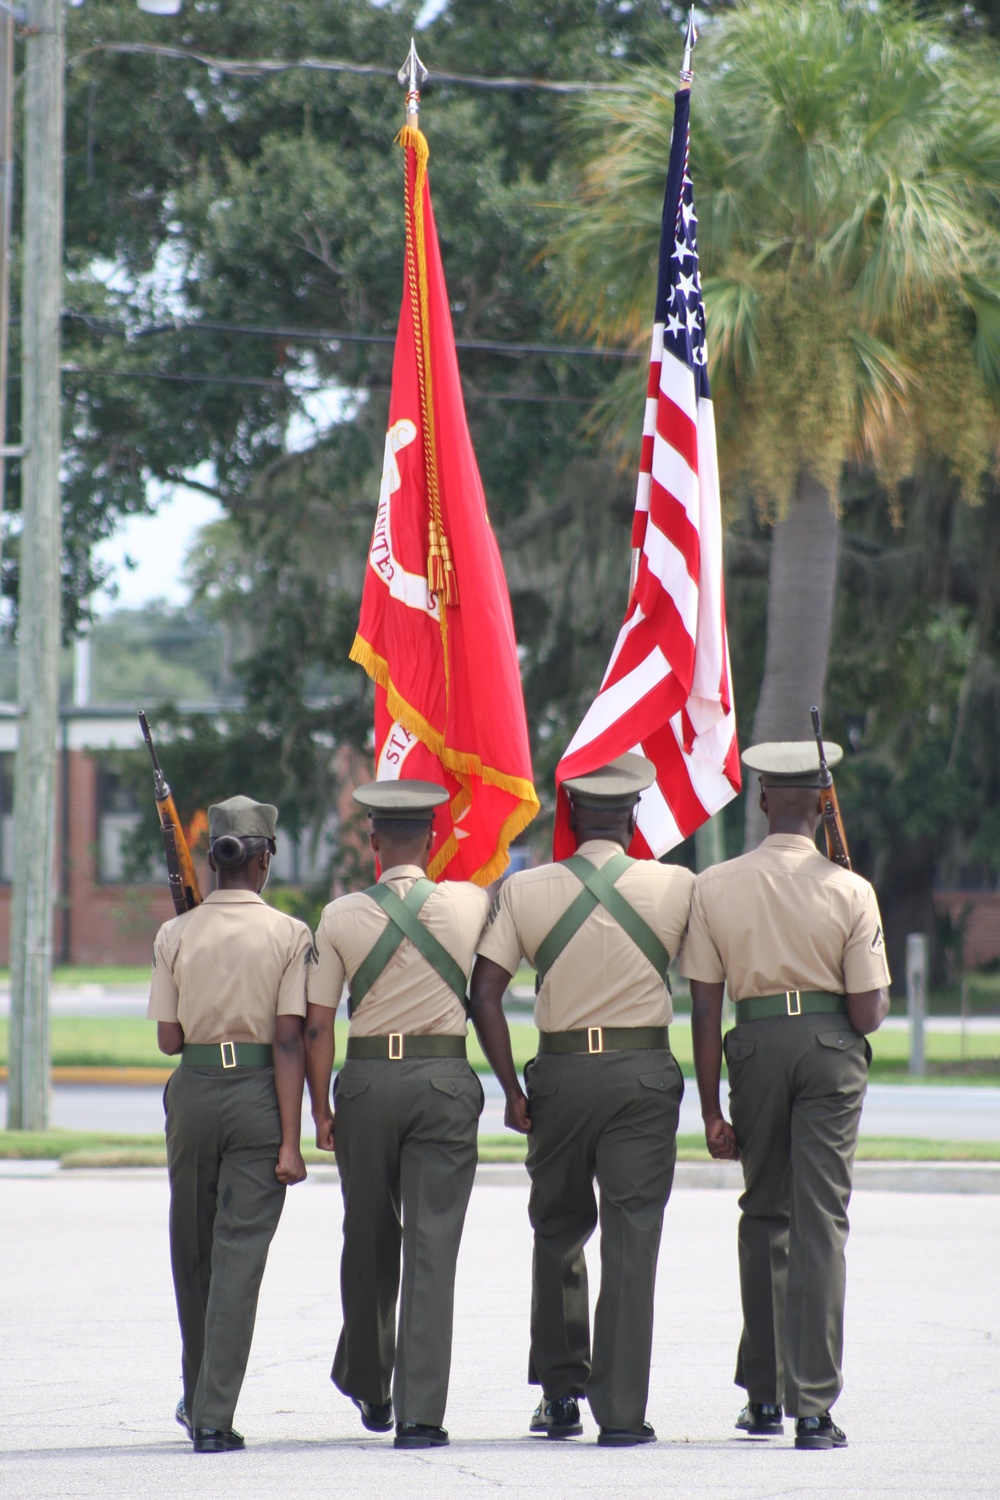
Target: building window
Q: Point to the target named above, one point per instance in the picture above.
(118, 815)
(6, 818)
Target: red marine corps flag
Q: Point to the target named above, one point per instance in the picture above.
(666, 692)
(435, 631)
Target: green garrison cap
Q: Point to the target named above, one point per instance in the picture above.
(617, 784)
(243, 817)
(401, 799)
(791, 762)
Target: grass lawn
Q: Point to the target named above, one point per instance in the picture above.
(83, 1148)
(102, 974)
(501, 1148)
(91, 1041)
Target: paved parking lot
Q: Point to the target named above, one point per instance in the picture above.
(90, 1359)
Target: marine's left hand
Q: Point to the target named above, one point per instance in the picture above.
(290, 1168)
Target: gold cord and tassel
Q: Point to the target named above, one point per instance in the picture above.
(441, 576)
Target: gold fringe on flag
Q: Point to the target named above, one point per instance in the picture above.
(462, 765)
(441, 576)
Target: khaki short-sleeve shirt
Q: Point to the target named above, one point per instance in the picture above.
(783, 917)
(600, 978)
(409, 995)
(229, 968)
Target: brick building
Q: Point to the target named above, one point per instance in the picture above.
(100, 917)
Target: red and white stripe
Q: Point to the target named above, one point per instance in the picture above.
(667, 690)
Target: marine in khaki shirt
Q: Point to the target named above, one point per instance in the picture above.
(407, 1113)
(226, 970)
(602, 1100)
(601, 978)
(409, 996)
(228, 992)
(783, 917)
(799, 942)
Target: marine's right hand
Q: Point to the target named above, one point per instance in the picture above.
(324, 1133)
(290, 1167)
(516, 1116)
(720, 1138)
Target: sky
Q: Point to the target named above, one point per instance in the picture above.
(157, 545)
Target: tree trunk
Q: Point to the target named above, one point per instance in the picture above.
(801, 578)
(906, 901)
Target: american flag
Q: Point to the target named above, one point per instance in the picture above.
(667, 692)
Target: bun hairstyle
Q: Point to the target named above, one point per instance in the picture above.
(232, 852)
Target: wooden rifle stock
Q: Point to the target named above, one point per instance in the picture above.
(833, 826)
(181, 875)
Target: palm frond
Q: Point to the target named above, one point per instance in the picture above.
(985, 301)
(733, 336)
(885, 382)
(846, 162)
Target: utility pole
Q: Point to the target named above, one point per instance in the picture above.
(6, 198)
(40, 599)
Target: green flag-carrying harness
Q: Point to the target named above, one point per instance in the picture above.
(599, 889)
(404, 922)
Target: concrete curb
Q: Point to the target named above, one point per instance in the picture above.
(871, 1176)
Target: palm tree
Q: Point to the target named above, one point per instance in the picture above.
(846, 162)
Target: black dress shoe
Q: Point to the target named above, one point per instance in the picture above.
(214, 1440)
(761, 1419)
(556, 1419)
(819, 1432)
(626, 1437)
(419, 1435)
(375, 1415)
(181, 1416)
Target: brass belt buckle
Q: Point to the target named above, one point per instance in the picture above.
(595, 1039)
(395, 1046)
(228, 1058)
(793, 1002)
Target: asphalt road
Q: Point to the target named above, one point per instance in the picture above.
(89, 1360)
(926, 1112)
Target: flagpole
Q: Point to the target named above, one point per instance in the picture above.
(686, 77)
(690, 37)
(411, 75)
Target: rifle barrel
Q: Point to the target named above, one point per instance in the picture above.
(825, 775)
(161, 790)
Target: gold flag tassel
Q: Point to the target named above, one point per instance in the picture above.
(441, 576)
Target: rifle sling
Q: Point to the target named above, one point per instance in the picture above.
(404, 922)
(599, 889)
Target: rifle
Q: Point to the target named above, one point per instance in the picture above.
(833, 827)
(180, 867)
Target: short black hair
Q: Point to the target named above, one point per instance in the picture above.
(402, 830)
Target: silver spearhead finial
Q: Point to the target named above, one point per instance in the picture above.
(690, 37)
(411, 75)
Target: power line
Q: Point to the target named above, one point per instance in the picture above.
(234, 67)
(275, 383)
(336, 336)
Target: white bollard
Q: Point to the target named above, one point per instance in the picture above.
(916, 999)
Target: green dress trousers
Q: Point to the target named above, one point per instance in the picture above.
(609, 1118)
(223, 1134)
(796, 1085)
(406, 1142)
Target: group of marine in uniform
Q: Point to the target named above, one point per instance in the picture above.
(248, 999)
